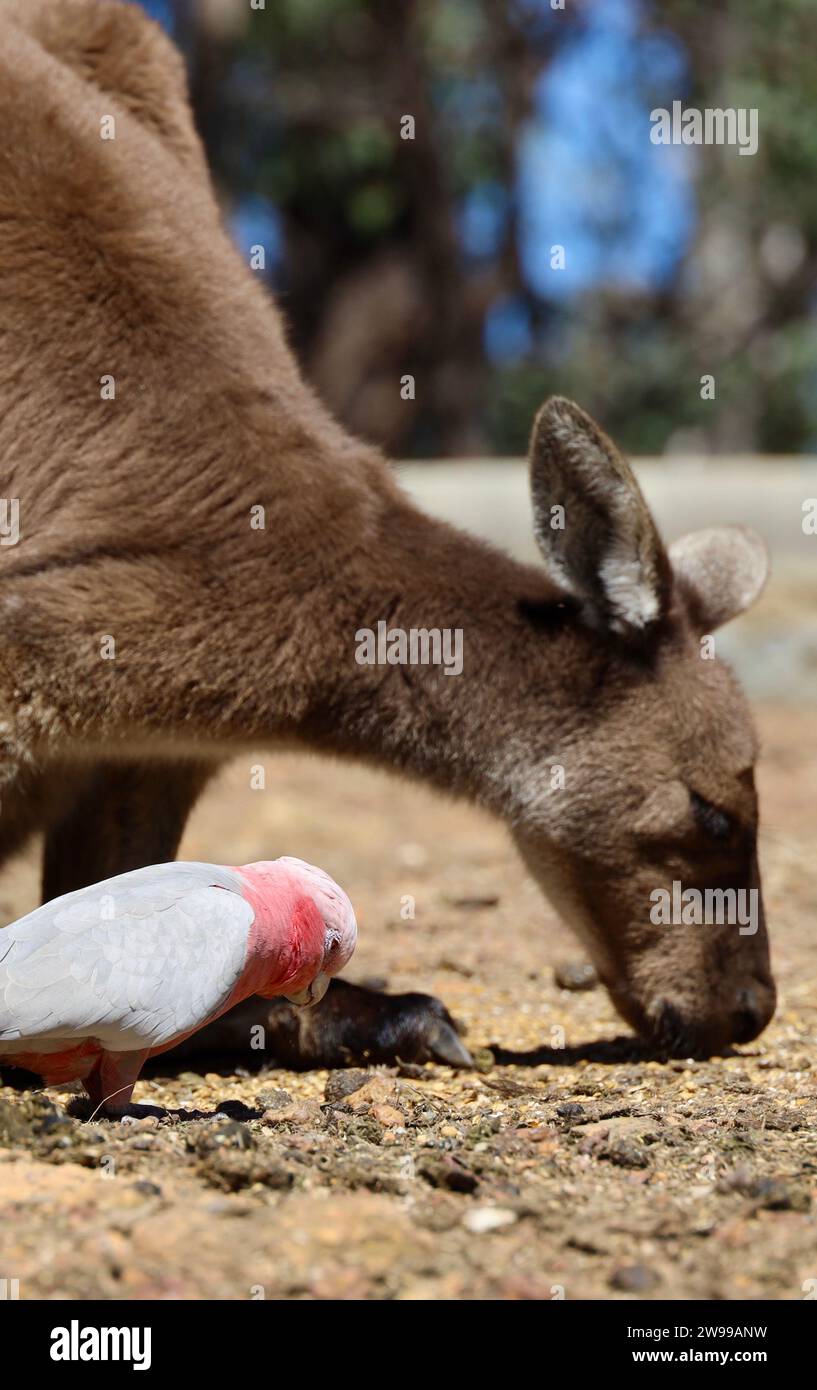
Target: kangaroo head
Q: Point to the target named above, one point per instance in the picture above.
(649, 847)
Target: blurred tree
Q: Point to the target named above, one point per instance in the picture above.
(432, 256)
(303, 104)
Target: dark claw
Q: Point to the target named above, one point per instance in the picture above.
(445, 1046)
(352, 1026)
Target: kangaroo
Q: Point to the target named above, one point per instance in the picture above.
(198, 544)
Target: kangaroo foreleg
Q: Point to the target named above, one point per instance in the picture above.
(123, 816)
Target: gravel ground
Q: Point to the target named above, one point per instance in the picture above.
(588, 1171)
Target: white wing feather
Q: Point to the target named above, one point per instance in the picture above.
(133, 961)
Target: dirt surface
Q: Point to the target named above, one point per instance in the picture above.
(598, 1173)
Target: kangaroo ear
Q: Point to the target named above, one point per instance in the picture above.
(720, 572)
(592, 524)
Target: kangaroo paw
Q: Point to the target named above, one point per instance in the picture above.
(352, 1026)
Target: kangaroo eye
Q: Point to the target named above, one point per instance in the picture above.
(713, 821)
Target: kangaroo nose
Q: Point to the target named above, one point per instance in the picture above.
(755, 1006)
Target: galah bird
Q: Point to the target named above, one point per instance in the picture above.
(95, 982)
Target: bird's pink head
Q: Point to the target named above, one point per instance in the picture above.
(304, 930)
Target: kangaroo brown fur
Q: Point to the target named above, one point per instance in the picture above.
(135, 524)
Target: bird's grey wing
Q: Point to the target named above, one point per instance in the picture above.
(133, 961)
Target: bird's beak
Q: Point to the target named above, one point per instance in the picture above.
(313, 995)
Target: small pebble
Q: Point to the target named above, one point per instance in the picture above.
(340, 1084)
(273, 1100)
(573, 1110)
(634, 1279)
(388, 1115)
(304, 1112)
(146, 1188)
(575, 975)
(771, 1194)
(484, 1219)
